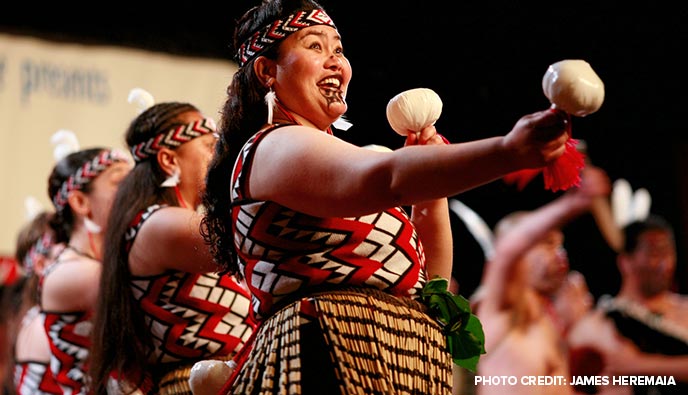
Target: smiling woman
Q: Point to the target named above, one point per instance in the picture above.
(400, 49)
(317, 226)
(629, 51)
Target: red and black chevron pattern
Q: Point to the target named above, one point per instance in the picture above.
(284, 253)
(35, 378)
(136, 224)
(192, 316)
(69, 337)
(278, 30)
(86, 173)
(173, 138)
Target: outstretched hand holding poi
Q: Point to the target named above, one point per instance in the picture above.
(571, 86)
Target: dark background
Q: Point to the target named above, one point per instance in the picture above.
(486, 62)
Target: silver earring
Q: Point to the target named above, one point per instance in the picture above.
(172, 180)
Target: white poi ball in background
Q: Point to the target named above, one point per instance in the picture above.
(209, 376)
(573, 86)
(413, 110)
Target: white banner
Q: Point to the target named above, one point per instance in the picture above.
(46, 86)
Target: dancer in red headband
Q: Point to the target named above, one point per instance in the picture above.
(336, 268)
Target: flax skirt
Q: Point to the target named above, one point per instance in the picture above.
(348, 342)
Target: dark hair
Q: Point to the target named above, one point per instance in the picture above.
(30, 234)
(118, 326)
(634, 230)
(243, 114)
(63, 220)
(26, 239)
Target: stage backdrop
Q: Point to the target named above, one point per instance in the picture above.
(46, 86)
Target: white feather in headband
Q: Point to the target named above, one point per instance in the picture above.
(64, 143)
(32, 207)
(629, 206)
(141, 98)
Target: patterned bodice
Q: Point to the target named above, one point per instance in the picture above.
(284, 253)
(34, 378)
(32, 374)
(192, 316)
(69, 337)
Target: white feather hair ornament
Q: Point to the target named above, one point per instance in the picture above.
(641, 204)
(32, 207)
(64, 143)
(141, 98)
(475, 225)
(629, 206)
(270, 99)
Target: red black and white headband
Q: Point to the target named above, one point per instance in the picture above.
(279, 30)
(86, 173)
(41, 248)
(172, 138)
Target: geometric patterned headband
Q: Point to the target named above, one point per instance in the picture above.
(86, 173)
(40, 249)
(278, 30)
(173, 138)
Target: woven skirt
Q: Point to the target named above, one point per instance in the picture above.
(361, 341)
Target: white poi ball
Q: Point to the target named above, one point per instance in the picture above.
(413, 110)
(573, 86)
(208, 377)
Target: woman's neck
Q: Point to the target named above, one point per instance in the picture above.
(182, 201)
(85, 243)
(283, 115)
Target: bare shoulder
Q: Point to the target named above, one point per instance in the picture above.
(70, 285)
(677, 310)
(168, 234)
(595, 330)
(679, 301)
(294, 138)
(165, 220)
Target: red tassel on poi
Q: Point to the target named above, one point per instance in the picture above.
(522, 177)
(561, 174)
(565, 172)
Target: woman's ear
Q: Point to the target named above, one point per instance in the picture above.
(264, 68)
(39, 265)
(79, 203)
(167, 160)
